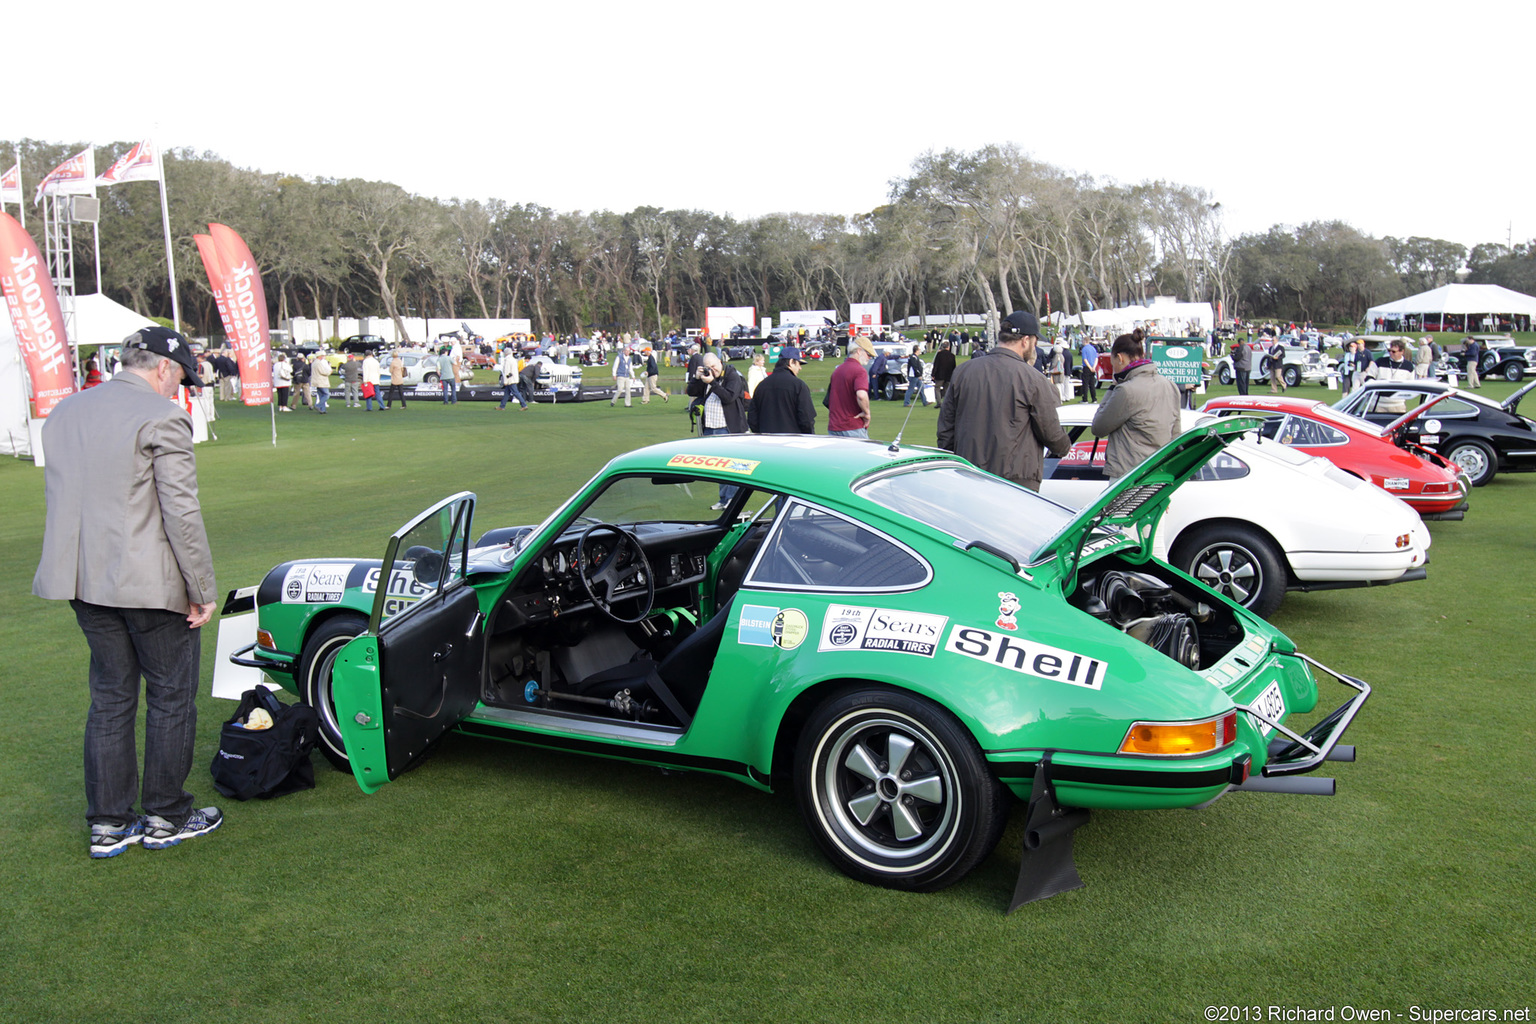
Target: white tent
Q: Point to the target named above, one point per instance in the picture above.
(1457, 300)
(101, 321)
(1172, 316)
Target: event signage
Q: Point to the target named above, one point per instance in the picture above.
(1179, 363)
(242, 302)
(75, 176)
(141, 163)
(864, 314)
(35, 314)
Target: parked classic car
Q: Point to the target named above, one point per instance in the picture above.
(1481, 436)
(1301, 365)
(904, 640)
(1428, 483)
(1261, 519)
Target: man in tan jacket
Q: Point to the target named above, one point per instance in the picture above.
(1140, 412)
(124, 544)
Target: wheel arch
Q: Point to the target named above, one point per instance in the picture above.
(805, 703)
(1216, 522)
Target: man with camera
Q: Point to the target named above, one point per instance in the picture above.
(719, 391)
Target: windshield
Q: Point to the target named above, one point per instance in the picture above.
(970, 505)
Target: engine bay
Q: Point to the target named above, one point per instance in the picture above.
(1170, 615)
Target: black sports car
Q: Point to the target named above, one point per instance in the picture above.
(1481, 436)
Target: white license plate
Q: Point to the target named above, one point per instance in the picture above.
(1269, 704)
(1429, 439)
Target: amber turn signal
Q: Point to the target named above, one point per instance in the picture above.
(1180, 739)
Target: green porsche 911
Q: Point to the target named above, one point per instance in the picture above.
(909, 642)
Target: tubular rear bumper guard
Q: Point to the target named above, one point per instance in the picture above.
(261, 663)
(1293, 753)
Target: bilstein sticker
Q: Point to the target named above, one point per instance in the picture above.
(314, 584)
(1026, 656)
(719, 463)
(766, 626)
(854, 628)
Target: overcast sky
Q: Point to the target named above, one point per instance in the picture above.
(1396, 121)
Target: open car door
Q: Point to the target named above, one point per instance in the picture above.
(408, 680)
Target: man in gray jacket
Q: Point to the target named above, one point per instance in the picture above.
(124, 544)
(1000, 412)
(1140, 413)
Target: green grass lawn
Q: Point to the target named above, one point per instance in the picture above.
(503, 883)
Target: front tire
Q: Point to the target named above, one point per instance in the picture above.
(314, 679)
(896, 792)
(1292, 376)
(1476, 459)
(1236, 562)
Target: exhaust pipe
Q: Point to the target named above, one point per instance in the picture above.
(1298, 785)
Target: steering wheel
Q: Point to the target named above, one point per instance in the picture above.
(600, 581)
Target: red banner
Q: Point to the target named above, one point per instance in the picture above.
(216, 277)
(234, 275)
(35, 315)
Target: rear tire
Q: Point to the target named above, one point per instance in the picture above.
(1476, 459)
(1237, 562)
(430, 378)
(1513, 372)
(896, 792)
(1224, 374)
(314, 680)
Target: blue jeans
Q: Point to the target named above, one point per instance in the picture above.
(727, 492)
(512, 391)
(127, 643)
(855, 432)
(322, 396)
(450, 391)
(917, 392)
(368, 400)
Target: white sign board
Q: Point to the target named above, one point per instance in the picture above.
(718, 320)
(865, 316)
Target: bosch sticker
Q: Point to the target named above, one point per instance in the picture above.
(854, 628)
(307, 583)
(719, 463)
(1026, 656)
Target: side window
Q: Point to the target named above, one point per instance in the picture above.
(811, 548)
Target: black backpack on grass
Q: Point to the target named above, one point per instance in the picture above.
(264, 763)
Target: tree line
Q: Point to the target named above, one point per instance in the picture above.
(961, 232)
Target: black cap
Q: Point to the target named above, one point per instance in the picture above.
(1020, 324)
(163, 341)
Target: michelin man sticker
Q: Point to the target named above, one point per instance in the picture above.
(854, 628)
(307, 583)
(764, 626)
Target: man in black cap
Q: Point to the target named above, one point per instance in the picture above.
(124, 544)
(782, 403)
(1000, 412)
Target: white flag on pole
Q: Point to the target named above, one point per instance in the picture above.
(75, 176)
(141, 163)
(10, 186)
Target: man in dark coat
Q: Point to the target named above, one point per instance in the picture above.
(1000, 412)
(943, 369)
(782, 403)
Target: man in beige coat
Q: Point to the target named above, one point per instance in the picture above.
(124, 544)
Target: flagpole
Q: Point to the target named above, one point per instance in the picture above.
(170, 258)
(21, 189)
